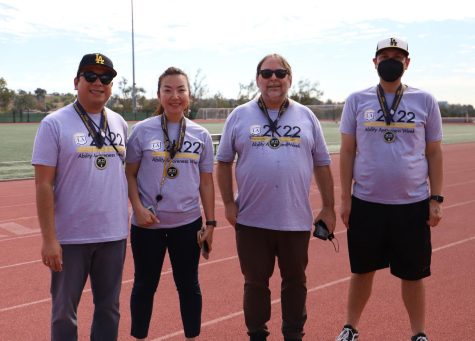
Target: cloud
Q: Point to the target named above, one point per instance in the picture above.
(191, 24)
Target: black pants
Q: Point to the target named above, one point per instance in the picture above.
(148, 248)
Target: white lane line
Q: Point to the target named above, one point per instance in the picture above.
(19, 264)
(276, 301)
(18, 229)
(237, 313)
(167, 272)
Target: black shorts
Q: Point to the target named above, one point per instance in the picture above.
(395, 236)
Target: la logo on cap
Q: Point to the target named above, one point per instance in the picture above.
(393, 42)
(99, 59)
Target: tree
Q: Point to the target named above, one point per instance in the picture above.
(126, 91)
(23, 101)
(307, 93)
(247, 92)
(149, 106)
(197, 92)
(456, 110)
(41, 98)
(6, 95)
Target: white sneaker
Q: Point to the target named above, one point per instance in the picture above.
(348, 333)
(420, 337)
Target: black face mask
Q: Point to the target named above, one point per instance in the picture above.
(390, 69)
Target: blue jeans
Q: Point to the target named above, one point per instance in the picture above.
(148, 248)
(103, 263)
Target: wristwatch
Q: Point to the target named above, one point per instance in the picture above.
(438, 198)
(211, 223)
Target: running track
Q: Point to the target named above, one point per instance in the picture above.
(24, 286)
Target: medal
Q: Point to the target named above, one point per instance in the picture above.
(389, 136)
(172, 172)
(274, 143)
(100, 162)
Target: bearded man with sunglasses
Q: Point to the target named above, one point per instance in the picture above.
(391, 186)
(280, 147)
(81, 199)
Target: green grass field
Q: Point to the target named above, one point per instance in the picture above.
(16, 141)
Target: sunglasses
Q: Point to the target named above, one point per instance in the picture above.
(91, 77)
(279, 73)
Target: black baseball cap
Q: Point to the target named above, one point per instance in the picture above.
(98, 59)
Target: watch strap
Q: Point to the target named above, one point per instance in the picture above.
(438, 198)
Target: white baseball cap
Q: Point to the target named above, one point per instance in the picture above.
(394, 43)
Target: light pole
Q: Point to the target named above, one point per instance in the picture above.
(134, 99)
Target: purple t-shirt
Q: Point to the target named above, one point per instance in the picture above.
(181, 194)
(90, 190)
(390, 163)
(274, 183)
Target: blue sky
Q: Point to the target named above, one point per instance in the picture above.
(332, 43)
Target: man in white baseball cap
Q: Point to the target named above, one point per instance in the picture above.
(392, 43)
(391, 186)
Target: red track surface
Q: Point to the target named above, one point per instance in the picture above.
(25, 300)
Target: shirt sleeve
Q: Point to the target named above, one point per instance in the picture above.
(46, 146)
(226, 151)
(321, 156)
(434, 121)
(207, 156)
(134, 149)
(348, 117)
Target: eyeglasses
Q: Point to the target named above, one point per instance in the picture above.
(279, 73)
(91, 77)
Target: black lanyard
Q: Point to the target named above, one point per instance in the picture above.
(172, 148)
(282, 109)
(97, 135)
(384, 105)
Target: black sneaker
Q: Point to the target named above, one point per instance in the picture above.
(258, 336)
(420, 337)
(348, 333)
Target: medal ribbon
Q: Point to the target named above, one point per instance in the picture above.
(384, 105)
(97, 136)
(166, 165)
(282, 109)
(173, 148)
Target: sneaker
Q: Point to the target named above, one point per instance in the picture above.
(420, 337)
(348, 333)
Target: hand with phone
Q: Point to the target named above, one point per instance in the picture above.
(205, 238)
(321, 231)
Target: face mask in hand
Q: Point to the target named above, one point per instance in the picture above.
(390, 69)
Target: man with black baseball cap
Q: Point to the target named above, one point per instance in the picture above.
(96, 59)
(81, 194)
(391, 185)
